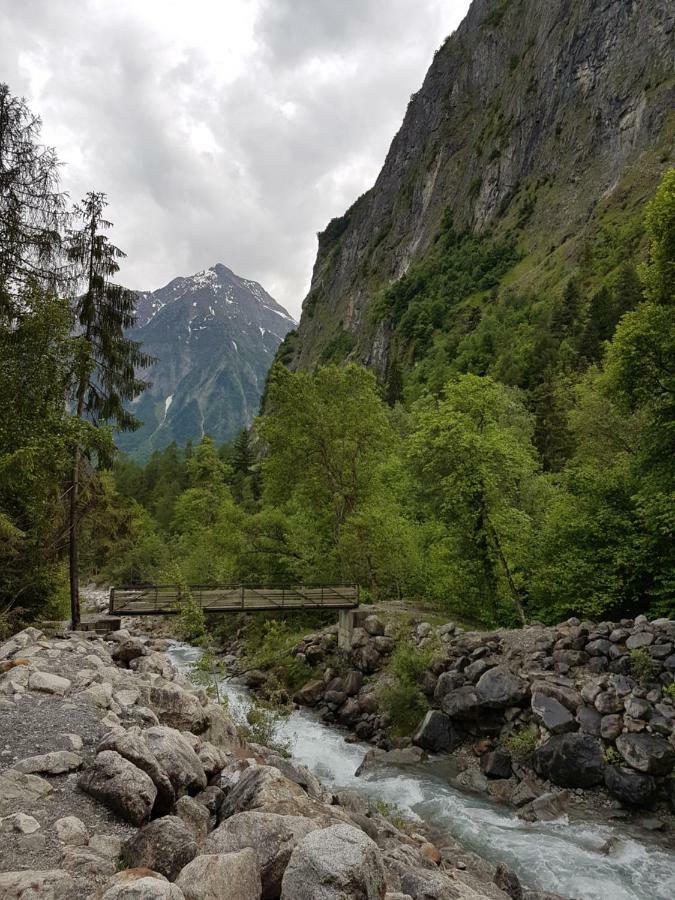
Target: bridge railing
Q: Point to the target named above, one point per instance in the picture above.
(165, 599)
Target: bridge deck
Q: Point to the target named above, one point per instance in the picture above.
(154, 600)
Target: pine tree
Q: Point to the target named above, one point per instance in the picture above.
(31, 206)
(242, 453)
(106, 361)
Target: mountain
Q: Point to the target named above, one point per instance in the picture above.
(537, 135)
(214, 336)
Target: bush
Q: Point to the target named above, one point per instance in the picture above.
(403, 700)
(261, 726)
(521, 744)
(669, 690)
(642, 666)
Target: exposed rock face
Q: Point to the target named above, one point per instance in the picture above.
(571, 96)
(121, 786)
(177, 759)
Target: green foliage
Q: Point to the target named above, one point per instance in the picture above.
(261, 726)
(268, 648)
(642, 666)
(669, 690)
(402, 699)
(521, 744)
(612, 757)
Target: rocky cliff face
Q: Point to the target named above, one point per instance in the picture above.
(532, 119)
(214, 336)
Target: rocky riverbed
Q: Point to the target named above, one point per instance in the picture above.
(121, 779)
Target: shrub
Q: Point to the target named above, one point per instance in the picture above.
(521, 744)
(642, 666)
(261, 726)
(403, 700)
(612, 757)
(669, 690)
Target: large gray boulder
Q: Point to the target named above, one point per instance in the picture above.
(55, 763)
(264, 787)
(435, 733)
(178, 708)
(570, 760)
(222, 876)
(555, 717)
(462, 703)
(134, 748)
(630, 787)
(48, 884)
(273, 837)
(499, 688)
(647, 753)
(165, 845)
(178, 760)
(336, 863)
(140, 884)
(121, 786)
(18, 790)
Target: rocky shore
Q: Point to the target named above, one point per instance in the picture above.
(121, 779)
(585, 707)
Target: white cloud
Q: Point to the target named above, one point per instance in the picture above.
(222, 130)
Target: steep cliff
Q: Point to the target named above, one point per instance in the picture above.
(536, 124)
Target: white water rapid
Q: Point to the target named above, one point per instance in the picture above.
(585, 860)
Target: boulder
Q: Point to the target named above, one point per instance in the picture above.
(221, 876)
(140, 884)
(435, 733)
(135, 749)
(353, 682)
(72, 831)
(49, 884)
(195, 815)
(639, 639)
(20, 790)
(165, 845)
(310, 693)
(555, 717)
(570, 760)
(121, 786)
(177, 708)
(629, 787)
(263, 787)
(273, 838)
(547, 807)
(19, 823)
(425, 884)
(49, 683)
(336, 863)
(55, 763)
(499, 687)
(177, 759)
(611, 727)
(447, 682)
(373, 625)
(128, 649)
(589, 720)
(496, 764)
(462, 703)
(647, 753)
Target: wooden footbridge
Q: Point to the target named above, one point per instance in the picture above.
(165, 599)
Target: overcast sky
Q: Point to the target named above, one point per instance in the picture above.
(222, 130)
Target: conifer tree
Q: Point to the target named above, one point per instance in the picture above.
(105, 360)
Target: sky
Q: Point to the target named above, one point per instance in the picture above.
(222, 130)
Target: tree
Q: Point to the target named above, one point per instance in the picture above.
(31, 206)
(105, 360)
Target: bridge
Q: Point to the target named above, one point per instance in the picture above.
(165, 599)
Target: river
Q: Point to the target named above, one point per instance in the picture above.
(567, 857)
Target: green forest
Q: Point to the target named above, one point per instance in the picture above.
(517, 463)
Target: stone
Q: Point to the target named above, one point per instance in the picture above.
(373, 625)
(165, 845)
(496, 764)
(336, 863)
(555, 717)
(72, 831)
(121, 786)
(17, 789)
(508, 881)
(427, 884)
(611, 727)
(221, 876)
(55, 763)
(547, 807)
(128, 649)
(140, 884)
(647, 753)
(178, 708)
(365, 658)
(353, 682)
(86, 863)
(461, 703)
(524, 793)
(629, 787)
(134, 748)
(473, 671)
(447, 682)
(108, 845)
(599, 647)
(472, 779)
(177, 759)
(640, 639)
(272, 836)
(498, 688)
(589, 720)
(310, 693)
(608, 702)
(570, 760)
(48, 884)
(263, 787)
(435, 733)
(195, 815)
(637, 708)
(19, 823)
(49, 684)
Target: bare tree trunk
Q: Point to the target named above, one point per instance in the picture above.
(515, 596)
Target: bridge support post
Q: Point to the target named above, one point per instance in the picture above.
(346, 621)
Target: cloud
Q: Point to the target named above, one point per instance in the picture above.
(221, 131)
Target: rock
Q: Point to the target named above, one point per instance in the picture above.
(607, 702)
(20, 823)
(447, 682)
(17, 789)
(195, 815)
(471, 779)
(629, 787)
(407, 756)
(498, 688)
(461, 703)
(598, 647)
(423, 884)
(611, 727)
(49, 684)
(365, 658)
(135, 749)
(55, 763)
(373, 625)
(100, 694)
(49, 884)
(107, 845)
(165, 845)
(570, 760)
(547, 807)
(496, 764)
(263, 787)
(336, 863)
(637, 708)
(508, 881)
(72, 831)
(435, 733)
(178, 709)
(272, 836)
(85, 863)
(121, 786)
(589, 720)
(177, 759)
(353, 682)
(524, 793)
(128, 649)
(140, 884)
(640, 639)
(647, 753)
(310, 693)
(300, 775)
(555, 717)
(221, 876)
(211, 798)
